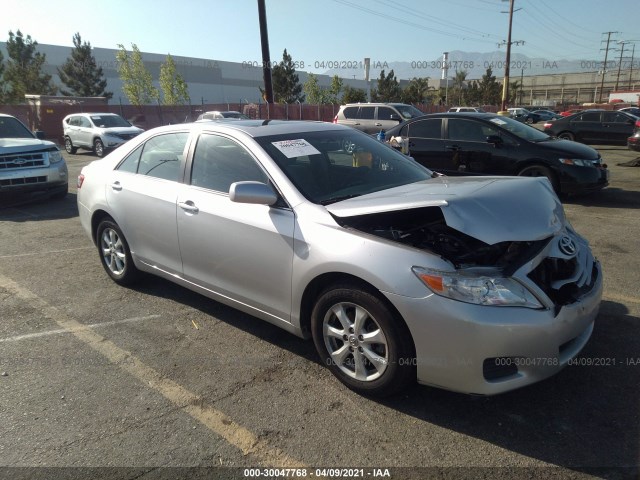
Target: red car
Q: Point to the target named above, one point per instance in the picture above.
(570, 112)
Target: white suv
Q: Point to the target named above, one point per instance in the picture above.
(97, 132)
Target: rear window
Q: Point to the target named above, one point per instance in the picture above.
(350, 112)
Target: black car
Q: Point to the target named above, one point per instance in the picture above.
(594, 126)
(488, 144)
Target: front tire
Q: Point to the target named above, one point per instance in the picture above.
(567, 136)
(364, 344)
(115, 255)
(68, 146)
(540, 171)
(98, 147)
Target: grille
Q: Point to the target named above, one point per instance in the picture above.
(554, 276)
(22, 160)
(23, 181)
(125, 136)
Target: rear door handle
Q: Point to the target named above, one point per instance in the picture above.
(116, 186)
(189, 206)
(452, 148)
(378, 124)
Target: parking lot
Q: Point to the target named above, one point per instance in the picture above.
(156, 376)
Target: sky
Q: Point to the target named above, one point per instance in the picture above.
(317, 33)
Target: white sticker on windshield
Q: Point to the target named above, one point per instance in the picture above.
(498, 121)
(296, 148)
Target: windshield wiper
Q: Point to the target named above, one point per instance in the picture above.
(339, 198)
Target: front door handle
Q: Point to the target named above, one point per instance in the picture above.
(452, 148)
(116, 186)
(189, 206)
(378, 124)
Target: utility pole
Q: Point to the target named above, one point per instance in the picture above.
(620, 64)
(505, 86)
(266, 58)
(604, 66)
(633, 51)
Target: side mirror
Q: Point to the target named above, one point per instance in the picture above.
(395, 117)
(252, 192)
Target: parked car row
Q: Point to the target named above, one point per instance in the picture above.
(595, 126)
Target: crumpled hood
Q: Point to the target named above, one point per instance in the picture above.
(491, 209)
(9, 146)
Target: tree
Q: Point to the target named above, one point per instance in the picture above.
(174, 89)
(315, 94)
(23, 72)
(489, 89)
(388, 89)
(515, 89)
(286, 84)
(2, 92)
(353, 95)
(417, 91)
(81, 74)
(137, 83)
(313, 91)
(459, 85)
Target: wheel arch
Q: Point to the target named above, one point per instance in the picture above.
(319, 284)
(96, 219)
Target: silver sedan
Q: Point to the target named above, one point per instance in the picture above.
(473, 284)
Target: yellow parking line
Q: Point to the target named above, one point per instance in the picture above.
(216, 421)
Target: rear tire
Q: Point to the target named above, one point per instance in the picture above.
(567, 136)
(115, 254)
(540, 171)
(364, 344)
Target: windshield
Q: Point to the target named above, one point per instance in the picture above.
(408, 111)
(235, 115)
(13, 128)
(520, 129)
(329, 166)
(109, 121)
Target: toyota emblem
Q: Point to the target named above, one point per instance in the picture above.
(567, 246)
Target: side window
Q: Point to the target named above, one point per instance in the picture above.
(350, 112)
(83, 122)
(614, 117)
(130, 164)
(384, 113)
(589, 117)
(218, 162)
(465, 130)
(367, 113)
(162, 156)
(426, 128)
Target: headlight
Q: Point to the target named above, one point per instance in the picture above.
(478, 289)
(578, 162)
(55, 156)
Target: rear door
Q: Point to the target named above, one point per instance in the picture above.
(367, 120)
(587, 127)
(142, 194)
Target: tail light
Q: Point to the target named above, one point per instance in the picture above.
(80, 180)
(637, 123)
(335, 119)
(548, 125)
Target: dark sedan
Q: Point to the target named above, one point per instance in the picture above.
(488, 144)
(594, 126)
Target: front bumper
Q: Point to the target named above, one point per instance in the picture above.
(490, 350)
(27, 182)
(575, 179)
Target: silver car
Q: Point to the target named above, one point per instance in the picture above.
(477, 285)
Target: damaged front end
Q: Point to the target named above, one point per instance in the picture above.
(544, 273)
